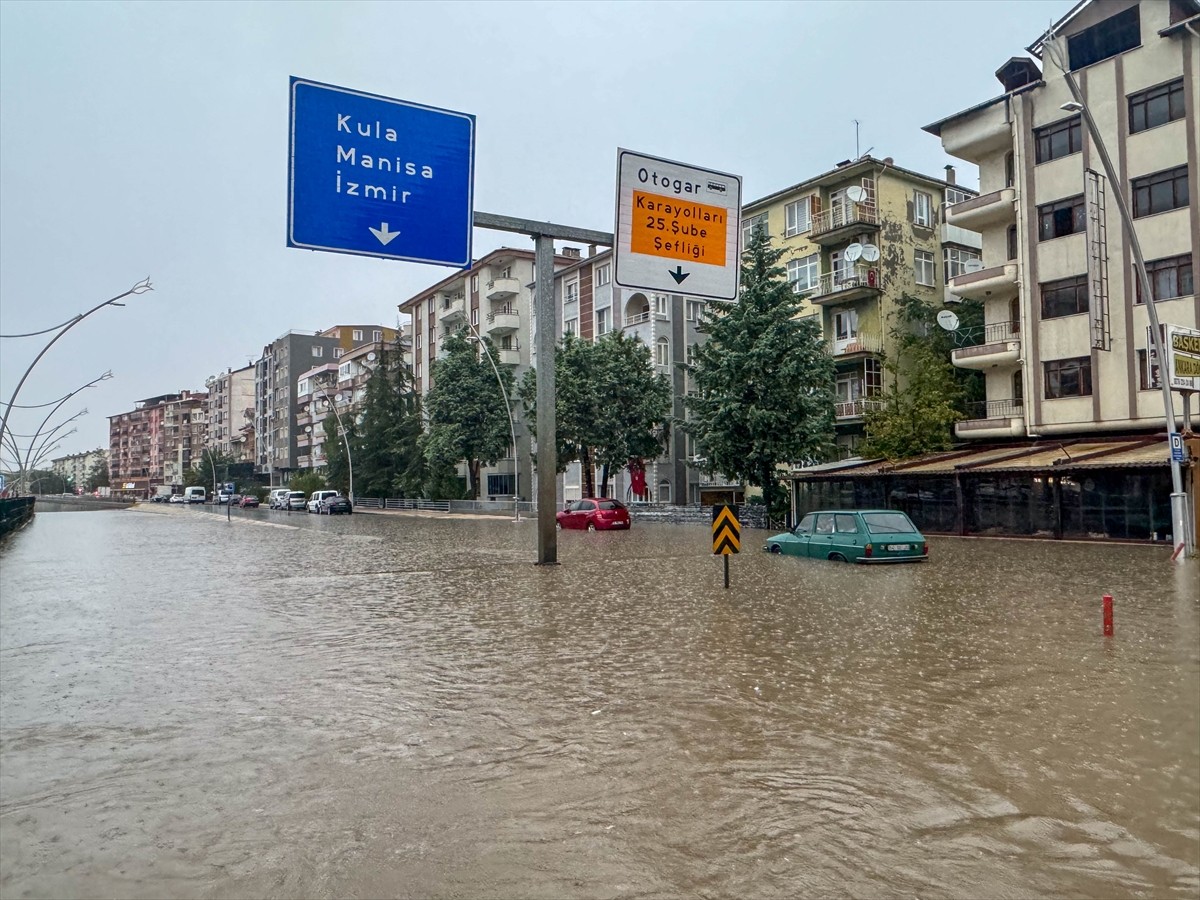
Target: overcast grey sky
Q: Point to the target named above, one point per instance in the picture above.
(151, 139)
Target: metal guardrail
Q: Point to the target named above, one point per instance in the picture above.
(853, 409)
(996, 409)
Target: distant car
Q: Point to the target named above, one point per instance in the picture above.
(279, 498)
(314, 502)
(248, 503)
(295, 500)
(223, 497)
(594, 514)
(335, 505)
(177, 498)
(849, 535)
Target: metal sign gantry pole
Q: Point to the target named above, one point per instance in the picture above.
(546, 310)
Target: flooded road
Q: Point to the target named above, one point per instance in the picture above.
(388, 705)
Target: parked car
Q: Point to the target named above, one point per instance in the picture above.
(295, 500)
(223, 497)
(849, 535)
(314, 501)
(279, 498)
(335, 505)
(177, 498)
(194, 494)
(594, 514)
(248, 502)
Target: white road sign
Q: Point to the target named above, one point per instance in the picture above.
(678, 227)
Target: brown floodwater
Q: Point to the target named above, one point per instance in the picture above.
(397, 706)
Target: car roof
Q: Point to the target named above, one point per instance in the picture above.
(814, 512)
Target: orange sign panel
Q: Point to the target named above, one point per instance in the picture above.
(678, 229)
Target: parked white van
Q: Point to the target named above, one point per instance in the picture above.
(314, 501)
(194, 495)
(279, 498)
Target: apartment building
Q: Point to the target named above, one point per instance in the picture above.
(592, 306)
(857, 238)
(494, 299)
(1065, 348)
(349, 337)
(76, 468)
(185, 429)
(137, 446)
(231, 414)
(275, 376)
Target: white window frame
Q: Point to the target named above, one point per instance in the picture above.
(603, 275)
(845, 325)
(662, 304)
(571, 291)
(475, 284)
(924, 263)
(956, 195)
(955, 259)
(377, 335)
(318, 352)
(571, 326)
(337, 352)
(417, 341)
(808, 266)
(475, 316)
(751, 223)
(356, 335)
(662, 352)
(603, 326)
(922, 209)
(798, 216)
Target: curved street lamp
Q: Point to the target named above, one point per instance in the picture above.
(332, 404)
(512, 430)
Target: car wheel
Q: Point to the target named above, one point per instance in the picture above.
(837, 557)
(775, 548)
(591, 526)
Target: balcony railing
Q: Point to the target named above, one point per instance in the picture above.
(637, 319)
(855, 409)
(996, 409)
(1001, 331)
(841, 215)
(859, 343)
(847, 278)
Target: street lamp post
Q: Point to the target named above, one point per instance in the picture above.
(512, 430)
(1182, 536)
(332, 404)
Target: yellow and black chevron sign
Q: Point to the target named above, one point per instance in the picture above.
(727, 531)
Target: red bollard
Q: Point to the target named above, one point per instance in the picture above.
(1108, 623)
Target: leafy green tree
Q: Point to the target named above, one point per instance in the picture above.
(201, 472)
(764, 380)
(926, 393)
(467, 418)
(337, 469)
(610, 405)
(45, 481)
(98, 476)
(307, 482)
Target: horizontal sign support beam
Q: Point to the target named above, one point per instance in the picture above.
(542, 229)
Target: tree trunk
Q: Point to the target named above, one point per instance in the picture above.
(473, 478)
(585, 463)
(604, 480)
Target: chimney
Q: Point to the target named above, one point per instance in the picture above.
(571, 252)
(887, 161)
(950, 175)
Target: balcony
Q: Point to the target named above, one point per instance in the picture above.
(301, 462)
(451, 309)
(841, 222)
(997, 208)
(1001, 347)
(993, 419)
(855, 345)
(846, 284)
(998, 280)
(503, 288)
(505, 320)
(847, 410)
(637, 319)
(508, 356)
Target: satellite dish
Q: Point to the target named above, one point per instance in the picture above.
(870, 253)
(948, 320)
(856, 194)
(371, 356)
(853, 253)
(973, 265)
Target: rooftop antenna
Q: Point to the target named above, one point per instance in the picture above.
(856, 153)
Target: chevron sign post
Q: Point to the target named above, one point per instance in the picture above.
(726, 533)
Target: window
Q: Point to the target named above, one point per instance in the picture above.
(571, 326)
(695, 309)
(337, 352)
(356, 335)
(429, 305)
(1169, 278)
(1012, 241)
(804, 274)
(571, 294)
(1160, 192)
(1010, 174)
(1059, 140)
(1068, 377)
(318, 352)
(924, 267)
(664, 491)
(417, 368)
(475, 316)
(661, 302)
(474, 284)
(845, 325)
(1156, 106)
(603, 275)
(417, 341)
(1064, 298)
(662, 352)
(377, 335)
(1061, 218)
(956, 195)
(956, 259)
(922, 209)
(602, 325)
(1147, 371)
(873, 377)
(1114, 35)
(754, 224)
(1018, 387)
(799, 217)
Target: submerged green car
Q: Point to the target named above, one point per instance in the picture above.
(853, 535)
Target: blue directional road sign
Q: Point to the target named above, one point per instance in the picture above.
(374, 176)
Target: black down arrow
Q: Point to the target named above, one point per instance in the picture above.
(678, 274)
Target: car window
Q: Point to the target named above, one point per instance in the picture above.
(806, 525)
(888, 523)
(847, 524)
(825, 524)
(579, 506)
(609, 504)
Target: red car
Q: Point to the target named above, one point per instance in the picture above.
(248, 502)
(594, 513)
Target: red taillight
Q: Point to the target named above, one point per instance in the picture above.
(925, 549)
(869, 549)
